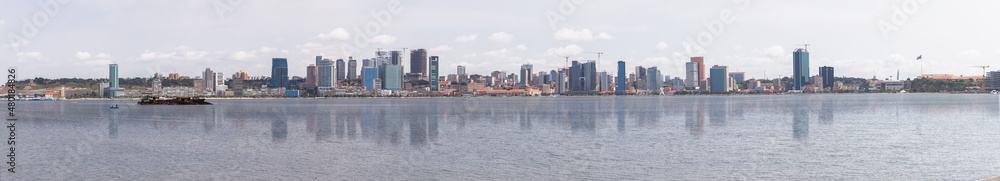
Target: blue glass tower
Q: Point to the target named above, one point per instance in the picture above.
(433, 77)
(800, 68)
(370, 74)
(621, 78)
(720, 79)
(279, 72)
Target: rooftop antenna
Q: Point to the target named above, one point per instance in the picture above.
(805, 45)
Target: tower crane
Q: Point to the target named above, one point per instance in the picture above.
(598, 59)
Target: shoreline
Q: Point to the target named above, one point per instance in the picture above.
(550, 96)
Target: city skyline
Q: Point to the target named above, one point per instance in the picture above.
(759, 40)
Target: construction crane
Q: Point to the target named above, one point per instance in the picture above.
(984, 69)
(598, 59)
(567, 61)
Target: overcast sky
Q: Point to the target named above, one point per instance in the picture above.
(860, 38)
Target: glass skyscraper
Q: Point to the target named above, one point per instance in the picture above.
(434, 73)
(324, 79)
(827, 73)
(113, 75)
(621, 78)
(800, 68)
(279, 72)
(720, 79)
(370, 74)
(526, 74)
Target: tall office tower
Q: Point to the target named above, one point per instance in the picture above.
(367, 63)
(800, 68)
(393, 77)
(640, 72)
(220, 82)
(691, 80)
(433, 76)
(113, 75)
(395, 58)
(461, 70)
(653, 79)
(279, 72)
(827, 73)
(370, 74)
(208, 79)
(341, 70)
(318, 58)
(720, 79)
(237, 84)
(561, 82)
(352, 68)
(701, 71)
(992, 81)
(311, 75)
(583, 77)
(324, 74)
(526, 74)
(418, 62)
(621, 78)
(602, 81)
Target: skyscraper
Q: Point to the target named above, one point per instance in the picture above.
(654, 79)
(640, 72)
(370, 74)
(691, 81)
(621, 78)
(701, 71)
(393, 77)
(279, 72)
(720, 79)
(311, 76)
(526, 74)
(418, 62)
(433, 76)
(827, 73)
(461, 70)
(583, 77)
(800, 68)
(738, 76)
(113, 75)
(208, 79)
(341, 70)
(352, 68)
(324, 74)
(395, 58)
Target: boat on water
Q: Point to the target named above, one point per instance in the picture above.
(114, 107)
(178, 100)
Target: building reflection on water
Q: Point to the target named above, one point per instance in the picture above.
(800, 121)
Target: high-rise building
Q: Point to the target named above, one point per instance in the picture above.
(367, 63)
(370, 74)
(653, 78)
(393, 77)
(621, 78)
(279, 72)
(237, 84)
(640, 73)
(583, 77)
(827, 73)
(352, 68)
(433, 76)
(220, 83)
(737, 76)
(324, 74)
(701, 71)
(113, 75)
(173, 76)
(691, 80)
(720, 79)
(526, 74)
(418, 62)
(461, 70)
(800, 68)
(341, 71)
(208, 79)
(395, 58)
(318, 58)
(311, 76)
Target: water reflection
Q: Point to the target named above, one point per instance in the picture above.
(800, 121)
(113, 123)
(694, 119)
(826, 112)
(620, 113)
(718, 112)
(279, 128)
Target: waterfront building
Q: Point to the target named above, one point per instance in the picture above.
(393, 77)
(992, 81)
(719, 80)
(691, 80)
(208, 80)
(655, 85)
(583, 77)
(827, 73)
(370, 74)
(526, 74)
(800, 68)
(279, 72)
(738, 76)
(621, 78)
(701, 72)
(434, 79)
(418, 62)
(324, 74)
(310, 76)
(341, 71)
(395, 58)
(352, 68)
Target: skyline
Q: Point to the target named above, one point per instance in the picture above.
(187, 36)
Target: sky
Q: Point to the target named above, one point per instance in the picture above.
(859, 38)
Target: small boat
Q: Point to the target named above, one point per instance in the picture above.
(114, 107)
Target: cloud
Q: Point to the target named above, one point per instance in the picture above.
(103, 55)
(775, 51)
(501, 37)
(466, 38)
(581, 35)
(3, 22)
(662, 46)
(242, 55)
(82, 55)
(442, 48)
(22, 56)
(384, 39)
(497, 53)
(568, 50)
(521, 47)
(267, 49)
(336, 34)
(970, 54)
(181, 55)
